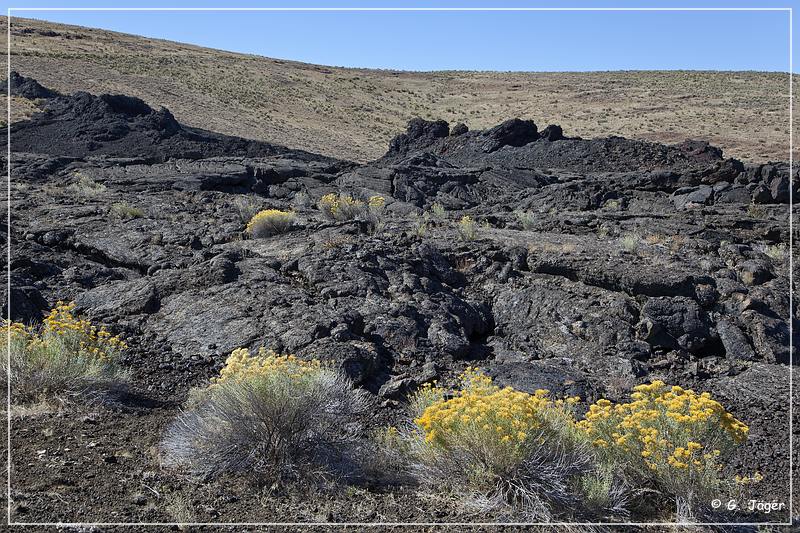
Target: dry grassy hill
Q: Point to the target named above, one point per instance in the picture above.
(352, 113)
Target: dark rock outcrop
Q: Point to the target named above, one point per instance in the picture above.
(25, 87)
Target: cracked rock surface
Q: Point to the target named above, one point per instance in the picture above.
(596, 265)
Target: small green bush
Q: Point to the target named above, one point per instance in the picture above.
(630, 242)
(342, 207)
(526, 219)
(64, 355)
(438, 211)
(776, 252)
(86, 186)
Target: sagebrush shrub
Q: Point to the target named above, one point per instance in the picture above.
(272, 416)
(667, 438)
(270, 222)
(64, 354)
(438, 211)
(498, 446)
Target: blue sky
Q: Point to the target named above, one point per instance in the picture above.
(522, 41)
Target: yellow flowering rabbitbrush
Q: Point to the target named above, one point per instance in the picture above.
(666, 437)
(270, 222)
(346, 207)
(242, 366)
(65, 353)
(497, 445)
(506, 416)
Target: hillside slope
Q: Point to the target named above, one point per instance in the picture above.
(353, 113)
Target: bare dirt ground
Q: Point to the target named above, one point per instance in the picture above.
(353, 113)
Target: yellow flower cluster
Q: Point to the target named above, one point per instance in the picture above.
(275, 219)
(16, 329)
(72, 333)
(335, 203)
(664, 426)
(346, 207)
(467, 228)
(503, 416)
(748, 480)
(241, 365)
(97, 342)
(376, 202)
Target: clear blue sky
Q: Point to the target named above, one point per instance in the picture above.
(527, 41)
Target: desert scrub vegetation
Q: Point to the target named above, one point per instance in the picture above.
(776, 252)
(64, 355)
(86, 186)
(270, 222)
(123, 211)
(669, 439)
(438, 211)
(467, 228)
(342, 207)
(496, 448)
(500, 448)
(526, 219)
(630, 242)
(274, 417)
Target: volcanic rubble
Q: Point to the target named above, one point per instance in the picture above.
(631, 261)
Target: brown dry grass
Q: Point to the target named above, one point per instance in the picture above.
(352, 113)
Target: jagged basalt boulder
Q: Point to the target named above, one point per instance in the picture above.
(459, 129)
(553, 132)
(419, 133)
(26, 87)
(514, 132)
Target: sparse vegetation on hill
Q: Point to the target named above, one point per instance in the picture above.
(353, 113)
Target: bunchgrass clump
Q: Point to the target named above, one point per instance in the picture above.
(438, 211)
(274, 417)
(668, 439)
(630, 242)
(65, 355)
(270, 222)
(420, 225)
(86, 186)
(776, 252)
(498, 447)
(123, 211)
(340, 206)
